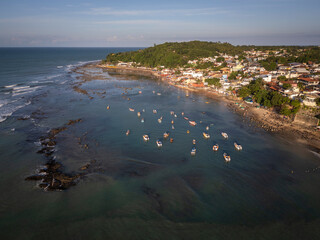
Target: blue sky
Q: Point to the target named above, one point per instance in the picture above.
(141, 23)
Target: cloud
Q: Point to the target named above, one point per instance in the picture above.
(173, 12)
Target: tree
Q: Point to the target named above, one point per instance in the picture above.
(233, 76)
(214, 81)
(285, 110)
(282, 78)
(301, 86)
(286, 85)
(244, 92)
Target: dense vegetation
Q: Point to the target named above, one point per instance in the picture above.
(269, 98)
(178, 54)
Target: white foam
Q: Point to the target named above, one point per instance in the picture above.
(10, 86)
(17, 88)
(59, 66)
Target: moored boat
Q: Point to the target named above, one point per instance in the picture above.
(146, 137)
(131, 109)
(160, 120)
(185, 118)
(215, 147)
(194, 142)
(166, 135)
(154, 111)
(142, 120)
(172, 127)
(159, 143)
(225, 135)
(193, 151)
(138, 114)
(192, 123)
(108, 107)
(237, 146)
(172, 112)
(128, 132)
(206, 135)
(227, 157)
(171, 140)
(207, 128)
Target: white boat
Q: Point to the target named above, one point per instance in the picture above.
(193, 151)
(143, 110)
(225, 135)
(207, 128)
(153, 92)
(159, 120)
(159, 94)
(206, 135)
(138, 114)
(172, 127)
(172, 112)
(215, 147)
(194, 142)
(131, 109)
(227, 157)
(166, 135)
(146, 137)
(159, 143)
(237, 146)
(128, 132)
(154, 111)
(175, 116)
(142, 120)
(185, 118)
(192, 123)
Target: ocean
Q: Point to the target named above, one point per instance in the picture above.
(132, 189)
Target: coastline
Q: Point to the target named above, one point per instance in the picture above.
(258, 117)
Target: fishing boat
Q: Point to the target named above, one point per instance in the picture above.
(160, 120)
(206, 135)
(146, 137)
(143, 110)
(227, 157)
(194, 142)
(225, 135)
(159, 94)
(138, 114)
(172, 112)
(175, 116)
(128, 132)
(142, 120)
(207, 128)
(154, 111)
(153, 92)
(172, 122)
(108, 107)
(131, 109)
(192, 123)
(215, 147)
(159, 143)
(166, 135)
(182, 113)
(185, 118)
(237, 146)
(171, 140)
(193, 151)
(172, 127)
(188, 131)
(140, 92)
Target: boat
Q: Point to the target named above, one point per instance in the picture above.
(159, 143)
(182, 113)
(225, 135)
(143, 110)
(146, 137)
(194, 142)
(172, 112)
(206, 135)
(159, 94)
(237, 146)
(193, 151)
(175, 116)
(171, 140)
(172, 122)
(142, 120)
(207, 128)
(227, 157)
(153, 92)
(140, 92)
(188, 131)
(160, 120)
(215, 147)
(128, 132)
(131, 109)
(192, 123)
(186, 118)
(172, 127)
(166, 135)
(154, 111)
(138, 114)
(108, 107)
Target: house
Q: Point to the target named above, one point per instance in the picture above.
(309, 81)
(310, 101)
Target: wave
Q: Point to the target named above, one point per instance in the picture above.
(9, 110)
(10, 86)
(71, 67)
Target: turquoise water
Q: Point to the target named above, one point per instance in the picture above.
(133, 189)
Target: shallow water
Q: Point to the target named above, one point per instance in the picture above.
(133, 189)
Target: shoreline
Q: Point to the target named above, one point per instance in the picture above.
(262, 118)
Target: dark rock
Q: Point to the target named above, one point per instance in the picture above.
(72, 122)
(34, 178)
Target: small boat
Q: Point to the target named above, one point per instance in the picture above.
(206, 135)
(193, 151)
(194, 142)
(146, 137)
(192, 123)
(175, 116)
(153, 92)
(159, 143)
(159, 120)
(182, 113)
(128, 132)
(108, 107)
(207, 128)
(172, 127)
(159, 94)
(131, 109)
(172, 112)
(154, 111)
(138, 114)
(227, 157)
(171, 140)
(215, 147)
(225, 135)
(172, 122)
(142, 120)
(186, 118)
(237, 146)
(140, 92)
(143, 110)
(188, 131)
(166, 135)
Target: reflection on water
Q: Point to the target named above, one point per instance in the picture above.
(135, 190)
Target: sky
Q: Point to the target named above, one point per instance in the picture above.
(141, 23)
